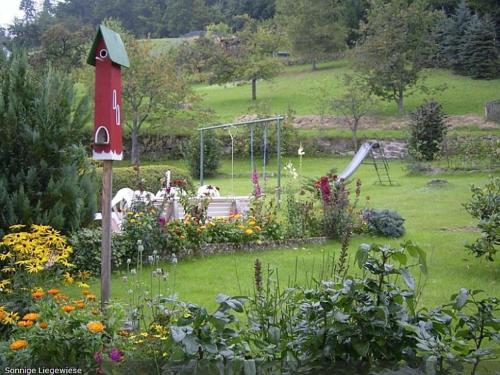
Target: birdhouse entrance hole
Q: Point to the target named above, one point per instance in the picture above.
(103, 53)
(101, 136)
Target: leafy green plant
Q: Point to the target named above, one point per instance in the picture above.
(211, 155)
(463, 331)
(86, 244)
(485, 206)
(387, 223)
(149, 177)
(427, 131)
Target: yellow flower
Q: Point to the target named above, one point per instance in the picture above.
(17, 226)
(4, 283)
(10, 318)
(68, 280)
(68, 308)
(249, 232)
(83, 285)
(44, 325)
(31, 316)
(251, 222)
(95, 327)
(18, 344)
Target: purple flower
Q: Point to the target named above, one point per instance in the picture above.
(98, 357)
(115, 355)
(257, 191)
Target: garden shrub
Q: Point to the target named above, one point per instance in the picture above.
(426, 131)
(386, 223)
(340, 219)
(485, 206)
(146, 177)
(86, 255)
(212, 152)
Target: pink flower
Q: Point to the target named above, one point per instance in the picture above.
(324, 187)
(98, 357)
(257, 191)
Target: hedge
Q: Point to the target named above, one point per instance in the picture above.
(150, 174)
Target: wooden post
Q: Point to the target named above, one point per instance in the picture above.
(107, 189)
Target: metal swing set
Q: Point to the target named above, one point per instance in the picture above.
(264, 123)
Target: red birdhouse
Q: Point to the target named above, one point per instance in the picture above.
(108, 55)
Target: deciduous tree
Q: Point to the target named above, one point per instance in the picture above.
(315, 27)
(391, 54)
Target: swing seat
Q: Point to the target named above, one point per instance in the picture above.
(227, 206)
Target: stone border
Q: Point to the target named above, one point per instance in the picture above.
(231, 248)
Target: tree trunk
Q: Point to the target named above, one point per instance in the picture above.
(134, 154)
(400, 102)
(355, 140)
(254, 88)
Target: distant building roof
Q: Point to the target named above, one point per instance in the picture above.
(114, 45)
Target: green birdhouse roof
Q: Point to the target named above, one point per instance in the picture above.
(114, 45)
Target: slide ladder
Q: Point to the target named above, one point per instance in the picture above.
(378, 160)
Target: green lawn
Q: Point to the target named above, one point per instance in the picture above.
(434, 217)
(297, 86)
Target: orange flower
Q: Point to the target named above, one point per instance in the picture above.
(95, 327)
(68, 308)
(38, 294)
(44, 325)
(86, 292)
(25, 323)
(91, 297)
(60, 297)
(95, 312)
(53, 292)
(80, 304)
(124, 333)
(18, 344)
(31, 316)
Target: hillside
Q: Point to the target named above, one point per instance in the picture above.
(298, 88)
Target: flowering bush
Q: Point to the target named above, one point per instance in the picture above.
(60, 330)
(30, 256)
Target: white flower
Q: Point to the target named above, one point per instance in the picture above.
(174, 259)
(151, 259)
(129, 261)
(301, 150)
(133, 271)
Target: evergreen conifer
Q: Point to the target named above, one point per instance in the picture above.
(45, 177)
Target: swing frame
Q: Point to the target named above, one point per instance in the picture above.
(260, 122)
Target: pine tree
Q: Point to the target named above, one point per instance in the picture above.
(479, 54)
(455, 38)
(45, 178)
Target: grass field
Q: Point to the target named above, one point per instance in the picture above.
(296, 87)
(435, 219)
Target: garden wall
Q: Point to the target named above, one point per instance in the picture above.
(229, 248)
(158, 147)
